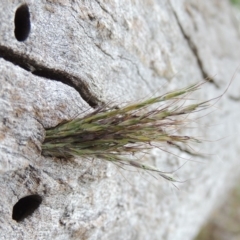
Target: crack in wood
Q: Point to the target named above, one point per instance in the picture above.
(39, 70)
(194, 50)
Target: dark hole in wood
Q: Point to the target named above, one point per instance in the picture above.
(22, 23)
(25, 207)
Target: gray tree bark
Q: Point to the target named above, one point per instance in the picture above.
(67, 57)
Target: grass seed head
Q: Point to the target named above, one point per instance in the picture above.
(115, 134)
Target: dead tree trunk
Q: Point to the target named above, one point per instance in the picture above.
(61, 58)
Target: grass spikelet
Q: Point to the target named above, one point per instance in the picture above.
(116, 135)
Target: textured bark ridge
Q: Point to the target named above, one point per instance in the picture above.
(62, 58)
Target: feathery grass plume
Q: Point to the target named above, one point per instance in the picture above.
(117, 134)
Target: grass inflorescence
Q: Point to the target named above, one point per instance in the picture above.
(117, 134)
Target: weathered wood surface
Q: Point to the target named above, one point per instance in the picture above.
(113, 51)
